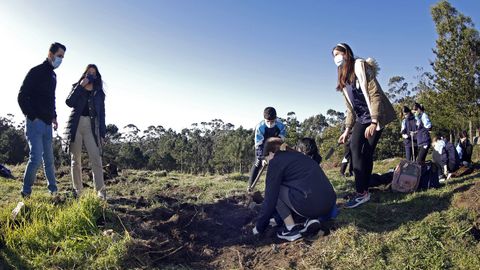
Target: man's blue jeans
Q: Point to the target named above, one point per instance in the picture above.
(39, 137)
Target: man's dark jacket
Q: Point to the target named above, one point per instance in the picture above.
(37, 94)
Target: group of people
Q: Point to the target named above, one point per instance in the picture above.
(296, 186)
(295, 183)
(415, 130)
(86, 125)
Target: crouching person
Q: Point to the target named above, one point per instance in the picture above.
(445, 157)
(295, 184)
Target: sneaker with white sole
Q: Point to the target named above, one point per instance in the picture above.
(291, 235)
(357, 200)
(311, 227)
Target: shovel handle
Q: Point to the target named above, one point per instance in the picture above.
(250, 188)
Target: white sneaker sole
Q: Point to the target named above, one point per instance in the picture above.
(358, 203)
(290, 238)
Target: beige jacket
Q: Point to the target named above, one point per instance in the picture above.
(381, 110)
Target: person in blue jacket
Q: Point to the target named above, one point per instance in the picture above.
(295, 184)
(423, 132)
(269, 127)
(409, 128)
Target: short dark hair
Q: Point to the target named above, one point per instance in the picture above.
(418, 106)
(56, 46)
(270, 113)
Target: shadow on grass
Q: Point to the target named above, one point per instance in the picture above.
(387, 211)
(11, 260)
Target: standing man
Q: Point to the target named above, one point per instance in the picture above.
(37, 101)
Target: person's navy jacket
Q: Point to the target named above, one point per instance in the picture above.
(467, 150)
(424, 125)
(409, 125)
(37, 93)
(77, 99)
(453, 158)
(308, 184)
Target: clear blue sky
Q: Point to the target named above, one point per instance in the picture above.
(173, 63)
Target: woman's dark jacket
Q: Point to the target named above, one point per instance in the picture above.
(311, 193)
(78, 99)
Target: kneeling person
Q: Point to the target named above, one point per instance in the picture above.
(294, 184)
(444, 156)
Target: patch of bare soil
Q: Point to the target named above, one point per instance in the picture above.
(208, 236)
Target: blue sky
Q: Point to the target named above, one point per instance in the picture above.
(173, 63)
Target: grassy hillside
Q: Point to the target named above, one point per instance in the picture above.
(202, 222)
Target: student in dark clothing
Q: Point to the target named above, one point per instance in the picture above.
(37, 101)
(464, 149)
(423, 132)
(368, 112)
(409, 127)
(269, 127)
(444, 156)
(86, 126)
(308, 147)
(295, 184)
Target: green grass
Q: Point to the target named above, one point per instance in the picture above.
(45, 235)
(422, 230)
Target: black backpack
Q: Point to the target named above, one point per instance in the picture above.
(429, 176)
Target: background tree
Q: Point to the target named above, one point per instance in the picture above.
(456, 66)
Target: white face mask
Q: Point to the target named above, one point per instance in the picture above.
(56, 62)
(269, 125)
(338, 59)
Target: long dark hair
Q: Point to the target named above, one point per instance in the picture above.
(346, 72)
(98, 84)
(308, 146)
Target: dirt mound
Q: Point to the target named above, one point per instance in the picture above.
(207, 236)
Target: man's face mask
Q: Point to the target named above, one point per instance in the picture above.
(56, 61)
(270, 123)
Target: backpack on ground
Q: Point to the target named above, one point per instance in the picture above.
(406, 177)
(429, 176)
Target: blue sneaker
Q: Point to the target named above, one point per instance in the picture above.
(291, 235)
(357, 200)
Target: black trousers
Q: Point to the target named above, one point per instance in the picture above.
(422, 153)
(362, 155)
(409, 154)
(348, 158)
